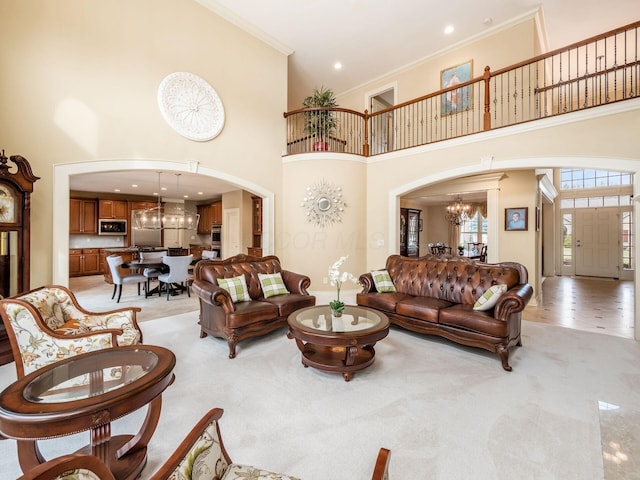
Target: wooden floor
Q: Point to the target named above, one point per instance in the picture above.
(599, 305)
(584, 303)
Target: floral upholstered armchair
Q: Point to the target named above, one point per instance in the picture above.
(202, 456)
(46, 325)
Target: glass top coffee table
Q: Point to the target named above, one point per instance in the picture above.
(87, 392)
(337, 344)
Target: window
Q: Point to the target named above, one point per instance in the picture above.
(575, 178)
(567, 239)
(627, 240)
(472, 230)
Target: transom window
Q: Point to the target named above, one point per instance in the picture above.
(576, 178)
(473, 230)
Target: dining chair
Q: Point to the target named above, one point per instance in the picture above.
(118, 279)
(202, 456)
(46, 325)
(151, 273)
(178, 274)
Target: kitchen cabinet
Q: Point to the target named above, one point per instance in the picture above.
(112, 209)
(83, 217)
(216, 213)
(210, 214)
(205, 222)
(84, 261)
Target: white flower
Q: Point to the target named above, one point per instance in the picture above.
(337, 278)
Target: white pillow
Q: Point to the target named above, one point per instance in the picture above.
(490, 297)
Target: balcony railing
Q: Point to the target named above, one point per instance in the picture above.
(598, 71)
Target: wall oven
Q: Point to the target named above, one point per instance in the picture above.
(216, 237)
(112, 227)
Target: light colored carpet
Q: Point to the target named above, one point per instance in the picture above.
(445, 411)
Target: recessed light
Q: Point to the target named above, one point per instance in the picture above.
(200, 193)
(116, 189)
(337, 66)
(164, 189)
(186, 196)
(448, 29)
(134, 186)
(488, 21)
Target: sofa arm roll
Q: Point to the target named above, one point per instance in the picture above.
(296, 282)
(366, 281)
(513, 301)
(213, 295)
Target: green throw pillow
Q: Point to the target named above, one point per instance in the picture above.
(382, 281)
(490, 297)
(237, 288)
(272, 284)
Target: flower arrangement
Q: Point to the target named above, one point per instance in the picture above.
(337, 279)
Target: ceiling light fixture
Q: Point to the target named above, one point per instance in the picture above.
(448, 29)
(457, 211)
(158, 218)
(337, 66)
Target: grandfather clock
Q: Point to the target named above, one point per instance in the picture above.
(15, 216)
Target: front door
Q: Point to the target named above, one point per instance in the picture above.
(597, 242)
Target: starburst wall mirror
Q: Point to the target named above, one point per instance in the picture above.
(323, 204)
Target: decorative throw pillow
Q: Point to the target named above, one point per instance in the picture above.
(490, 297)
(272, 284)
(237, 288)
(382, 281)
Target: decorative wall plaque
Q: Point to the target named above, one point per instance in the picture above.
(191, 106)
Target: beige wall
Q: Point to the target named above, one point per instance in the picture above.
(503, 48)
(303, 245)
(80, 83)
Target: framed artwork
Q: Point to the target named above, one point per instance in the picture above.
(516, 219)
(459, 99)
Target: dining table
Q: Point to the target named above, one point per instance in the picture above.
(156, 263)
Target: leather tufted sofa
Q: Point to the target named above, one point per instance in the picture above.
(436, 294)
(221, 317)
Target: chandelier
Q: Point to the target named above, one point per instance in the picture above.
(162, 218)
(457, 211)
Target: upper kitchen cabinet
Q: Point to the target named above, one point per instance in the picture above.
(112, 209)
(83, 217)
(216, 213)
(210, 214)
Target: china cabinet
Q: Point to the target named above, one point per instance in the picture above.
(410, 232)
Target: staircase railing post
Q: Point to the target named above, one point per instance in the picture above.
(487, 98)
(365, 147)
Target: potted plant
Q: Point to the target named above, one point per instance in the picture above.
(320, 123)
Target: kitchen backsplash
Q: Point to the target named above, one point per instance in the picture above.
(96, 241)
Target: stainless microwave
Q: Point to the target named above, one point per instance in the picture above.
(112, 227)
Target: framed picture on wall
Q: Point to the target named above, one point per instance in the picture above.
(458, 99)
(516, 219)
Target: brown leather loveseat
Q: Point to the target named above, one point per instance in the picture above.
(436, 295)
(221, 317)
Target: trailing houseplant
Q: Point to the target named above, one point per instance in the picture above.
(320, 123)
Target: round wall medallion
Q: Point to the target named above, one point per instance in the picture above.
(191, 106)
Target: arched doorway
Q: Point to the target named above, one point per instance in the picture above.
(61, 174)
(511, 164)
